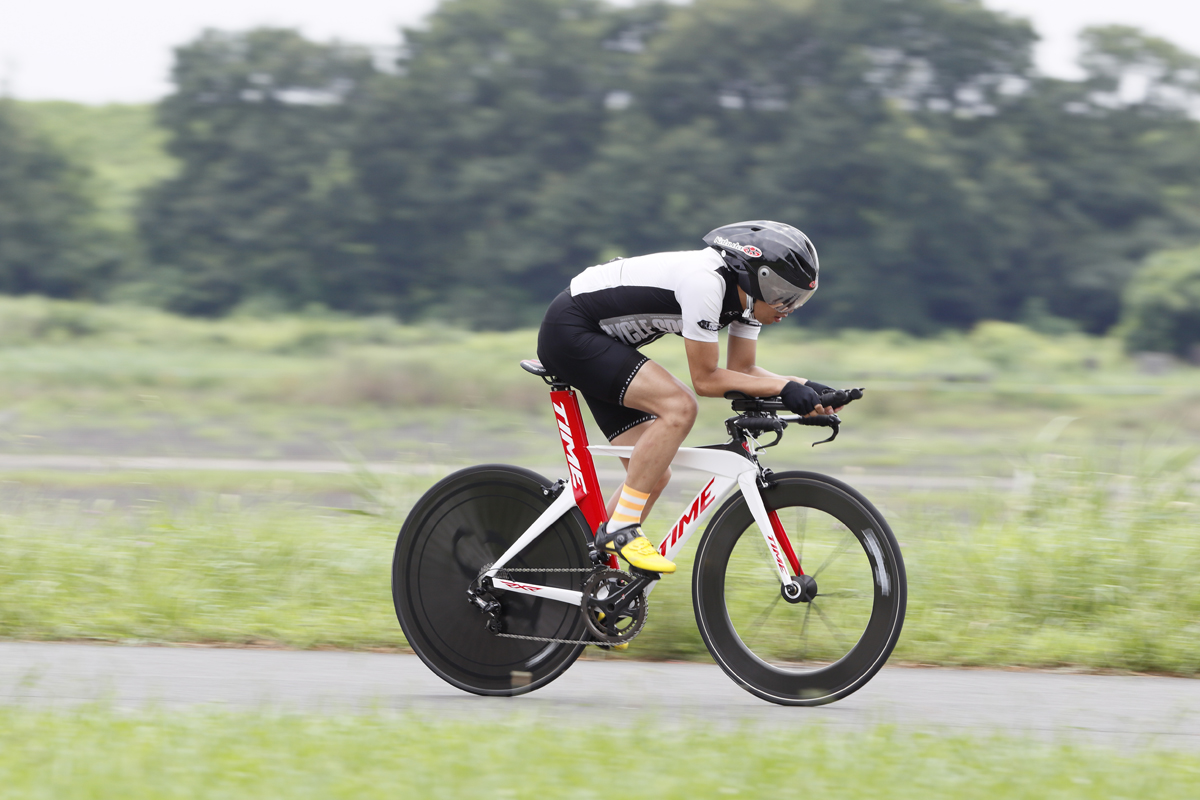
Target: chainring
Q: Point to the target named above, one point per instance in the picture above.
(604, 621)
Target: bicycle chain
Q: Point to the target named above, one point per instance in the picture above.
(563, 641)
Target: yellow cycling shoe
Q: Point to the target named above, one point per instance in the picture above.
(633, 546)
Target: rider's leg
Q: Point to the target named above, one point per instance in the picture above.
(658, 392)
(628, 439)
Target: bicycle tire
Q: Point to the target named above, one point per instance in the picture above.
(465, 522)
(760, 639)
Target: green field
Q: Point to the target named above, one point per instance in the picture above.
(124, 381)
(1083, 555)
(99, 753)
(1081, 568)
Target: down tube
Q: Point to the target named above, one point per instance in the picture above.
(694, 514)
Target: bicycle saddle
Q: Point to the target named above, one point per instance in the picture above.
(532, 365)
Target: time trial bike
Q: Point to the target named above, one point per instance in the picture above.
(798, 584)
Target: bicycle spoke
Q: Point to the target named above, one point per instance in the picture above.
(833, 629)
(842, 546)
(855, 593)
(762, 618)
(804, 634)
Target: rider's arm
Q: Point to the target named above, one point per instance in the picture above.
(710, 380)
(741, 358)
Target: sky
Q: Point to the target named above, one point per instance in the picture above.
(120, 50)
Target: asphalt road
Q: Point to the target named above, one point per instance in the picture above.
(1119, 710)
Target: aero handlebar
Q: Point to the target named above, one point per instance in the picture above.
(758, 414)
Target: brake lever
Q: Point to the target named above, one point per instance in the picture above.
(778, 437)
(823, 421)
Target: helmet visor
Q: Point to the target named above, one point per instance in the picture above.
(781, 295)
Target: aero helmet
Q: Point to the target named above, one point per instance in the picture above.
(773, 262)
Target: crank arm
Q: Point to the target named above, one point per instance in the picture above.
(622, 600)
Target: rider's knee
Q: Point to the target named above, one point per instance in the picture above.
(682, 409)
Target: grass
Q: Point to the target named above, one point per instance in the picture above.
(1088, 566)
(116, 380)
(98, 753)
(211, 572)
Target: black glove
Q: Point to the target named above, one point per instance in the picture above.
(799, 398)
(819, 388)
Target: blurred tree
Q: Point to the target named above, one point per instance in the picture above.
(266, 206)
(48, 242)
(1162, 304)
(497, 103)
(519, 141)
(1127, 67)
(839, 117)
(1120, 176)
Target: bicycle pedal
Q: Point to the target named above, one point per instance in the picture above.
(644, 573)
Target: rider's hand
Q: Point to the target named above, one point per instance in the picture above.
(821, 388)
(799, 398)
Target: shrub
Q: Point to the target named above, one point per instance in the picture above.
(1162, 304)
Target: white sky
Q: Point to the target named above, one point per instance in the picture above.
(120, 50)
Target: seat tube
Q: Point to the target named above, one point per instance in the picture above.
(582, 469)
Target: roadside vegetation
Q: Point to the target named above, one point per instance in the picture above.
(97, 752)
(1085, 565)
(115, 380)
(1076, 546)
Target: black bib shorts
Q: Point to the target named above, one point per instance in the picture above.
(576, 350)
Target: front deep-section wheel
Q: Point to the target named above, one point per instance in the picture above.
(460, 526)
(826, 641)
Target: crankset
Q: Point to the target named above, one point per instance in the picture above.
(614, 605)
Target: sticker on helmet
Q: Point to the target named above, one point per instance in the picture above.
(812, 285)
(748, 249)
(708, 325)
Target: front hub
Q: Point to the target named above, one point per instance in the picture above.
(800, 589)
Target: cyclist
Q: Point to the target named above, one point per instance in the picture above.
(750, 274)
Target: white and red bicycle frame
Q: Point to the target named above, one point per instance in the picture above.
(728, 470)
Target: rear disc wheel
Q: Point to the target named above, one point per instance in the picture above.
(459, 527)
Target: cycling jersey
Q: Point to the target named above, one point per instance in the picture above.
(591, 332)
(639, 300)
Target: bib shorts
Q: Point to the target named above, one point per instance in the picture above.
(577, 351)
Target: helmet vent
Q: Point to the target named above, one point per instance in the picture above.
(755, 228)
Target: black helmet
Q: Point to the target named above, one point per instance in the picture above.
(774, 262)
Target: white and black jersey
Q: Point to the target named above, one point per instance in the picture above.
(591, 333)
(639, 300)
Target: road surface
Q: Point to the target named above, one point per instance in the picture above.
(1117, 710)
